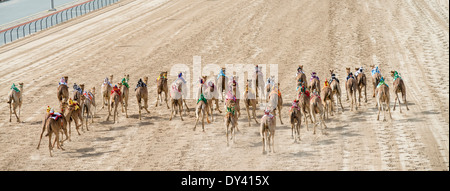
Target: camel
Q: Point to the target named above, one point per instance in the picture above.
(316, 107)
(383, 97)
(234, 89)
(73, 113)
(115, 100)
(162, 86)
(212, 95)
(267, 131)
(15, 100)
(315, 82)
(259, 83)
(275, 100)
(351, 86)
(300, 78)
(295, 117)
(230, 118)
(77, 93)
(221, 82)
(202, 108)
(327, 96)
(362, 83)
(106, 93)
(125, 90)
(183, 90)
(176, 99)
(376, 75)
(63, 92)
(142, 95)
(54, 127)
(399, 87)
(88, 106)
(270, 83)
(304, 103)
(336, 90)
(250, 100)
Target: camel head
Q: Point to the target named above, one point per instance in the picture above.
(348, 70)
(82, 87)
(111, 78)
(93, 90)
(127, 77)
(356, 69)
(223, 70)
(372, 66)
(21, 87)
(204, 78)
(66, 78)
(393, 73)
(300, 67)
(331, 72)
(145, 80)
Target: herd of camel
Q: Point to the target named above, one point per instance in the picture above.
(310, 100)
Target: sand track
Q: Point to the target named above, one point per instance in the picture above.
(142, 38)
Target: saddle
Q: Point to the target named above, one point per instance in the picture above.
(202, 98)
(115, 89)
(314, 95)
(88, 95)
(55, 116)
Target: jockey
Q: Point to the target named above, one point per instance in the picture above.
(396, 75)
(62, 81)
(314, 75)
(106, 81)
(360, 70)
(115, 89)
(375, 70)
(180, 76)
(299, 70)
(326, 83)
(382, 82)
(350, 75)
(125, 82)
(140, 84)
(13, 87)
(77, 88)
(333, 77)
(221, 73)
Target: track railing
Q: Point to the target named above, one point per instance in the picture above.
(19, 31)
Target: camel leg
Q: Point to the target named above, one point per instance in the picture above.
(379, 109)
(203, 120)
(404, 101)
(50, 143)
(10, 111)
(196, 122)
(15, 113)
(180, 107)
(187, 108)
(171, 113)
(248, 114)
(157, 99)
(226, 132)
(254, 113)
(395, 101)
(279, 113)
(165, 99)
(272, 134)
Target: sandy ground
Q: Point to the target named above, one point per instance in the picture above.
(142, 38)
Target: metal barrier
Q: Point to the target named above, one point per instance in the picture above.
(36, 25)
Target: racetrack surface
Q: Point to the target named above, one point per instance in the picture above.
(143, 38)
